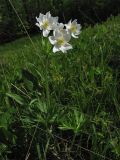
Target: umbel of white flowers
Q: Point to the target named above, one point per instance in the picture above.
(62, 33)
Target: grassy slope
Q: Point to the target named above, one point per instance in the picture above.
(83, 82)
(103, 38)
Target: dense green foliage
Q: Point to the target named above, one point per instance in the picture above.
(61, 106)
(86, 11)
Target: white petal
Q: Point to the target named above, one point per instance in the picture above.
(41, 27)
(48, 15)
(63, 49)
(69, 23)
(45, 17)
(36, 18)
(51, 20)
(74, 36)
(55, 18)
(55, 49)
(45, 33)
(57, 34)
(54, 26)
(40, 18)
(41, 15)
(68, 31)
(66, 47)
(37, 24)
(49, 27)
(55, 23)
(79, 26)
(74, 22)
(67, 36)
(60, 26)
(68, 26)
(52, 40)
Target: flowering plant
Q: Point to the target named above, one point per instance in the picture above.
(62, 33)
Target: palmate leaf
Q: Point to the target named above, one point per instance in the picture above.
(39, 105)
(16, 98)
(73, 121)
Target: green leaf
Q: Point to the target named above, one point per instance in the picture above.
(42, 106)
(16, 98)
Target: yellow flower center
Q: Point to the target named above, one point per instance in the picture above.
(60, 41)
(45, 24)
(73, 28)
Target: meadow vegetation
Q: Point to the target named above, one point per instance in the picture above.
(61, 106)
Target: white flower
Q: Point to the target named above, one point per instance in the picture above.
(73, 28)
(60, 40)
(46, 23)
(59, 26)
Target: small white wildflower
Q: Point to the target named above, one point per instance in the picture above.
(60, 40)
(46, 23)
(73, 28)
